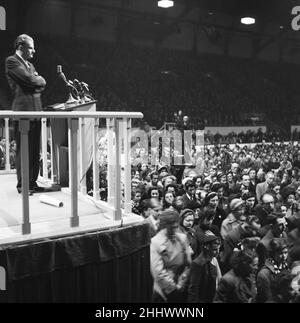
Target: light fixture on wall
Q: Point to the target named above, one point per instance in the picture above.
(165, 3)
(247, 20)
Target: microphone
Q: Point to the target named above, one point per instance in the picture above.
(61, 74)
(85, 86)
(77, 84)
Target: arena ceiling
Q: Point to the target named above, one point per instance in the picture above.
(218, 19)
(145, 19)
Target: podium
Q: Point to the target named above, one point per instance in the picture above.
(60, 142)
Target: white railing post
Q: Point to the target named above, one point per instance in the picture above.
(110, 162)
(7, 150)
(127, 164)
(24, 128)
(53, 176)
(118, 184)
(44, 147)
(82, 166)
(73, 127)
(96, 187)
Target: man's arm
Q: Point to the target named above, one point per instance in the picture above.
(17, 71)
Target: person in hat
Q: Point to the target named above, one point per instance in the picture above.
(276, 263)
(211, 201)
(205, 226)
(186, 226)
(170, 259)
(163, 171)
(205, 272)
(249, 199)
(277, 229)
(233, 240)
(234, 218)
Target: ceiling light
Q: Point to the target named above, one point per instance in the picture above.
(165, 3)
(247, 20)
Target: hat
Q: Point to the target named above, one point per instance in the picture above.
(250, 242)
(216, 186)
(248, 195)
(185, 212)
(209, 196)
(208, 238)
(163, 168)
(235, 203)
(168, 217)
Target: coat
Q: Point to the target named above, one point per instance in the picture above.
(25, 83)
(261, 189)
(235, 289)
(170, 262)
(265, 277)
(204, 277)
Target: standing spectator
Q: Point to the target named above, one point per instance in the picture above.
(234, 218)
(262, 188)
(276, 263)
(205, 272)
(186, 226)
(170, 260)
(238, 284)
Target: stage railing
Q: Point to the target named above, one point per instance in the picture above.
(118, 132)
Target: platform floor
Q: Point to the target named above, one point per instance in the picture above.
(46, 220)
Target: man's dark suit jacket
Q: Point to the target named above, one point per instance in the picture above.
(25, 83)
(26, 86)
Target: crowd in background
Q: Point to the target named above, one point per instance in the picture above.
(226, 232)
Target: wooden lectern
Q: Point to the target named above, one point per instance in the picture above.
(60, 142)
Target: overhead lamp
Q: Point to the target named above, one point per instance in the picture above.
(165, 3)
(247, 20)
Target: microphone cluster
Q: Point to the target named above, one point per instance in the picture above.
(78, 91)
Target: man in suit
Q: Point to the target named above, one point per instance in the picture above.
(26, 86)
(262, 188)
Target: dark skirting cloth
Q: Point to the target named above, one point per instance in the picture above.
(105, 266)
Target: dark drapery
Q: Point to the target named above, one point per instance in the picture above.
(105, 266)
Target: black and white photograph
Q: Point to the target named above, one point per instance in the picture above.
(150, 155)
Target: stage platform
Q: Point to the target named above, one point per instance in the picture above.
(46, 220)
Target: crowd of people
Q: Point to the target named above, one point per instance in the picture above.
(226, 227)
(228, 232)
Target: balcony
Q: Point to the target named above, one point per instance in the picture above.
(26, 218)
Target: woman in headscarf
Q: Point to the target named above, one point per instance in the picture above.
(276, 263)
(186, 226)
